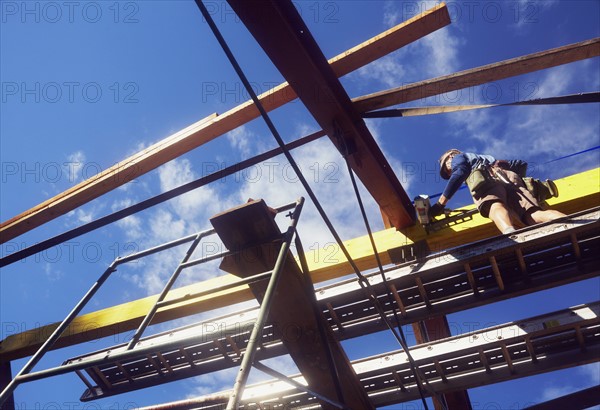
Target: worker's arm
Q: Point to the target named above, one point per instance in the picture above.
(460, 171)
(438, 207)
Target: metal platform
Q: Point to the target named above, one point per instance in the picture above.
(484, 272)
(518, 349)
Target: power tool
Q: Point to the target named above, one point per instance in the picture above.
(423, 204)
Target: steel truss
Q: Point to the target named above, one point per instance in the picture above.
(517, 349)
(532, 259)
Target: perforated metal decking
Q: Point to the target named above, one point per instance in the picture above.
(461, 278)
(517, 349)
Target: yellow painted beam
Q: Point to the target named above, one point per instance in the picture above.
(577, 193)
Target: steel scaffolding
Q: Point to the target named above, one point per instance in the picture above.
(134, 347)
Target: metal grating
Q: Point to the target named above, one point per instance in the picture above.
(517, 349)
(460, 278)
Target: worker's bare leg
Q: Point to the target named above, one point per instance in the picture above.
(544, 216)
(501, 217)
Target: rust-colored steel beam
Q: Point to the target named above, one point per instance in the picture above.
(429, 330)
(317, 353)
(479, 75)
(204, 131)
(283, 35)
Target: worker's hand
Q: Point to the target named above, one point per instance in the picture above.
(436, 209)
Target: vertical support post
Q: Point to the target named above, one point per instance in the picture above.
(250, 354)
(434, 329)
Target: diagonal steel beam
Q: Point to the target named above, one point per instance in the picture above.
(283, 35)
(214, 126)
(480, 75)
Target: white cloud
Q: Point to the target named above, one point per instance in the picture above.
(442, 48)
(540, 132)
(214, 382)
(194, 205)
(431, 56)
(223, 380)
(132, 225)
(527, 12)
(553, 392)
(590, 376)
(554, 131)
(387, 70)
(184, 215)
(74, 165)
(391, 14)
(556, 81)
(52, 274)
(591, 372)
(83, 215)
(240, 139)
(326, 173)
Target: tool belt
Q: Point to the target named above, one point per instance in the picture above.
(480, 180)
(484, 177)
(541, 190)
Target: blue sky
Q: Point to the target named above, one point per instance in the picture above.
(86, 84)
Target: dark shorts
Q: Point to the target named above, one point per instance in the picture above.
(515, 196)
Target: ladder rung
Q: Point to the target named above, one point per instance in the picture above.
(234, 346)
(506, 354)
(399, 381)
(334, 316)
(187, 357)
(471, 278)
(531, 349)
(580, 338)
(222, 349)
(101, 376)
(576, 248)
(125, 372)
(164, 362)
(521, 261)
(398, 299)
(484, 361)
(440, 371)
(153, 363)
(422, 291)
(497, 274)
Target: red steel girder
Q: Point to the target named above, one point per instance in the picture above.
(283, 35)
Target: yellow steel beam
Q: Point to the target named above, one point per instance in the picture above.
(577, 192)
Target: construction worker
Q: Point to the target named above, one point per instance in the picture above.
(498, 191)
